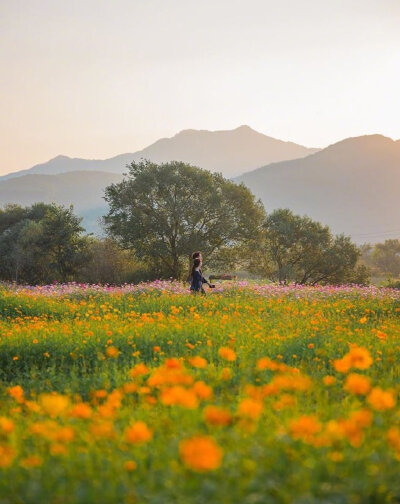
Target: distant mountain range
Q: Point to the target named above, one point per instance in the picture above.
(353, 185)
(231, 152)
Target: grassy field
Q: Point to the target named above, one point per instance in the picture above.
(253, 394)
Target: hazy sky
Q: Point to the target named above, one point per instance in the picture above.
(95, 78)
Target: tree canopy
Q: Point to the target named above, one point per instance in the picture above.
(40, 244)
(166, 211)
(298, 249)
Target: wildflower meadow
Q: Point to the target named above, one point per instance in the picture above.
(252, 394)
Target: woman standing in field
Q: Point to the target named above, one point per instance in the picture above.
(196, 277)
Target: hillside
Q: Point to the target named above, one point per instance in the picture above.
(83, 189)
(353, 186)
(231, 152)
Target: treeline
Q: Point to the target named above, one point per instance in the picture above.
(383, 260)
(158, 215)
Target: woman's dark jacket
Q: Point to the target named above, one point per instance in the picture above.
(197, 280)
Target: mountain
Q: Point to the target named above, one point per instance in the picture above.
(83, 189)
(352, 186)
(231, 152)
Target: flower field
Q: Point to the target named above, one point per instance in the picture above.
(253, 394)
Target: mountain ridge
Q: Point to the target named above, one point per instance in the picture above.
(230, 152)
(350, 185)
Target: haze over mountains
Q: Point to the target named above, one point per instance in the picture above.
(353, 185)
(231, 152)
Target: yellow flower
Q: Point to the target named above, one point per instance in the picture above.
(200, 454)
(138, 433)
(54, 404)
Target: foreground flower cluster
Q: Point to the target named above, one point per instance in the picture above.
(255, 394)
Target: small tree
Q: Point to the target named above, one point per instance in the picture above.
(165, 212)
(62, 236)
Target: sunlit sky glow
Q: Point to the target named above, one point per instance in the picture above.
(95, 78)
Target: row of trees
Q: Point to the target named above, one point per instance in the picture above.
(158, 215)
(383, 259)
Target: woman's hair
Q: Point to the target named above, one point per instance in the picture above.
(195, 255)
(196, 264)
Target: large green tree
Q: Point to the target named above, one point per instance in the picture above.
(166, 211)
(298, 249)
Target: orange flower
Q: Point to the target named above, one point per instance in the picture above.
(357, 384)
(6, 456)
(305, 427)
(138, 433)
(393, 437)
(200, 453)
(286, 401)
(215, 415)
(329, 380)
(226, 374)
(130, 388)
(113, 352)
(32, 461)
(171, 373)
(81, 410)
(267, 363)
(198, 362)
(250, 409)
(138, 370)
(381, 400)
(6, 425)
(202, 390)
(179, 396)
(358, 357)
(227, 354)
(58, 449)
(130, 465)
(103, 430)
(17, 392)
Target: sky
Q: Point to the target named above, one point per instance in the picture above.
(96, 78)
